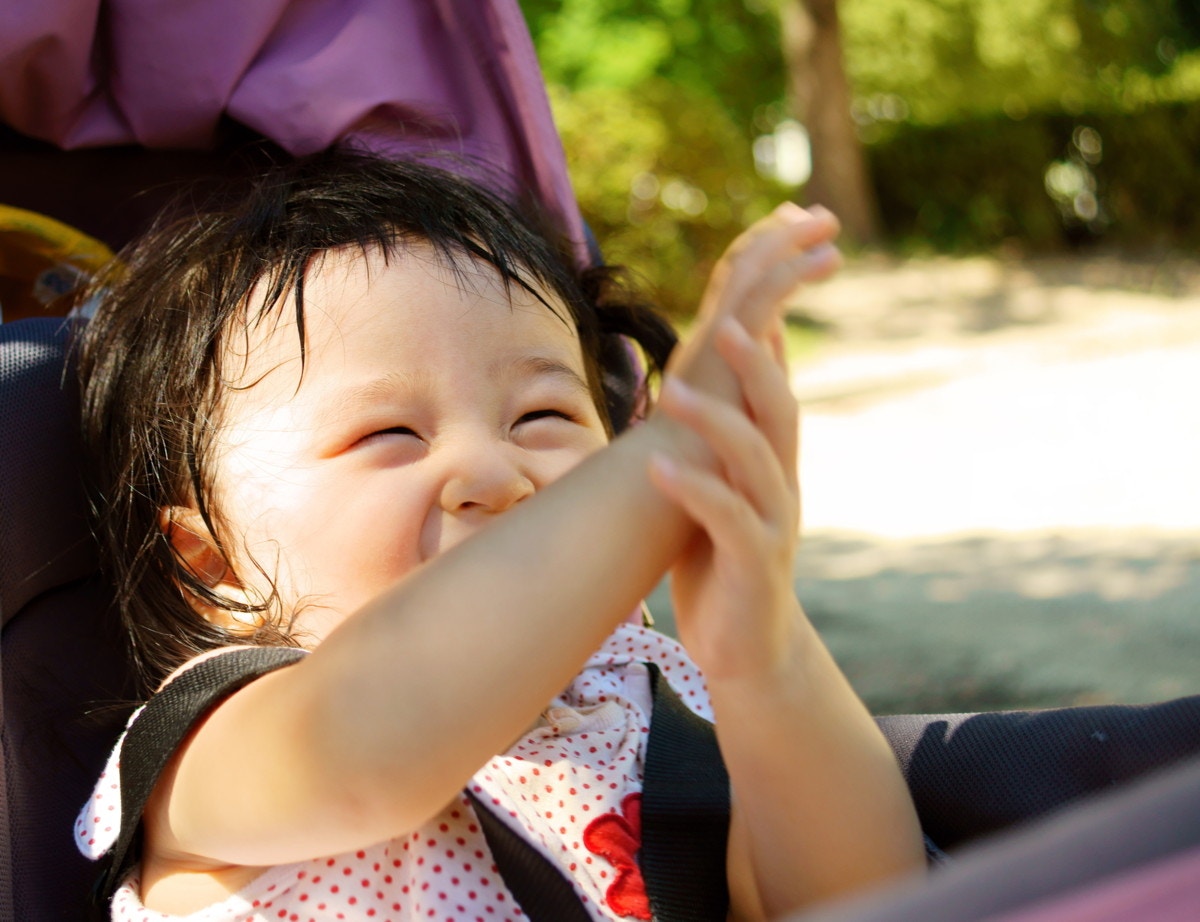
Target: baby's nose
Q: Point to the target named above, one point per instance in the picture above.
(486, 477)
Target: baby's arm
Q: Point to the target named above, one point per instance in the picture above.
(820, 806)
(383, 724)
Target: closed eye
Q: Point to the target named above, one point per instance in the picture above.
(534, 415)
(379, 434)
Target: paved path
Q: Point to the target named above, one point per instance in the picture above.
(1023, 436)
(1000, 472)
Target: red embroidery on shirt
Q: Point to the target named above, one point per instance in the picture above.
(617, 839)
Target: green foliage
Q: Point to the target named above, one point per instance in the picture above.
(655, 101)
(984, 97)
(980, 183)
(948, 60)
(664, 178)
(727, 50)
(963, 105)
(969, 185)
(1148, 177)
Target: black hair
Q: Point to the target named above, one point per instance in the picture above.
(150, 360)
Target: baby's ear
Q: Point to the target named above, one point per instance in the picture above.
(197, 550)
(193, 544)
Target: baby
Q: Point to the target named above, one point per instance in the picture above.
(372, 411)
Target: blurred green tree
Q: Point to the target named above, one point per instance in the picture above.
(931, 62)
(727, 50)
(658, 102)
(821, 98)
(1037, 123)
(971, 111)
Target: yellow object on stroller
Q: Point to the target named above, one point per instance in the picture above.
(41, 262)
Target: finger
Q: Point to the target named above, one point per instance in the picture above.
(756, 290)
(776, 339)
(784, 214)
(781, 236)
(730, 523)
(789, 246)
(766, 393)
(814, 225)
(761, 299)
(746, 458)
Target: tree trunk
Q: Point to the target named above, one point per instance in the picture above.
(821, 97)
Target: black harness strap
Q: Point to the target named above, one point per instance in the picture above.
(542, 890)
(685, 798)
(160, 730)
(685, 813)
(685, 827)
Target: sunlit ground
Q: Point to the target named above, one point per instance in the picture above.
(1000, 473)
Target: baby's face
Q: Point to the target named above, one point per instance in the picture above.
(429, 404)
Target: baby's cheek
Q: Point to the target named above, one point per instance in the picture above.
(565, 460)
(362, 548)
(266, 549)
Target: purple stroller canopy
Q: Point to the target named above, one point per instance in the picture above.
(400, 76)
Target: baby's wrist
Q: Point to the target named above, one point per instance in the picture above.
(672, 439)
(771, 669)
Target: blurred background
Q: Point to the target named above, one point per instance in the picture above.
(1000, 442)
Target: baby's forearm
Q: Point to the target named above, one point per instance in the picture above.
(822, 804)
(552, 577)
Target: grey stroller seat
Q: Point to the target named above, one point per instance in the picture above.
(65, 682)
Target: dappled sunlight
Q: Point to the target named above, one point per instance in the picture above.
(1007, 620)
(1108, 442)
(1082, 418)
(1006, 516)
(878, 299)
(1105, 565)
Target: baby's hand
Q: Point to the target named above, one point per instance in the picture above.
(766, 263)
(750, 284)
(732, 586)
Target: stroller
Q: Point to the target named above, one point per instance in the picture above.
(101, 156)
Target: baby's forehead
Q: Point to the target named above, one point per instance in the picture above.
(281, 333)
